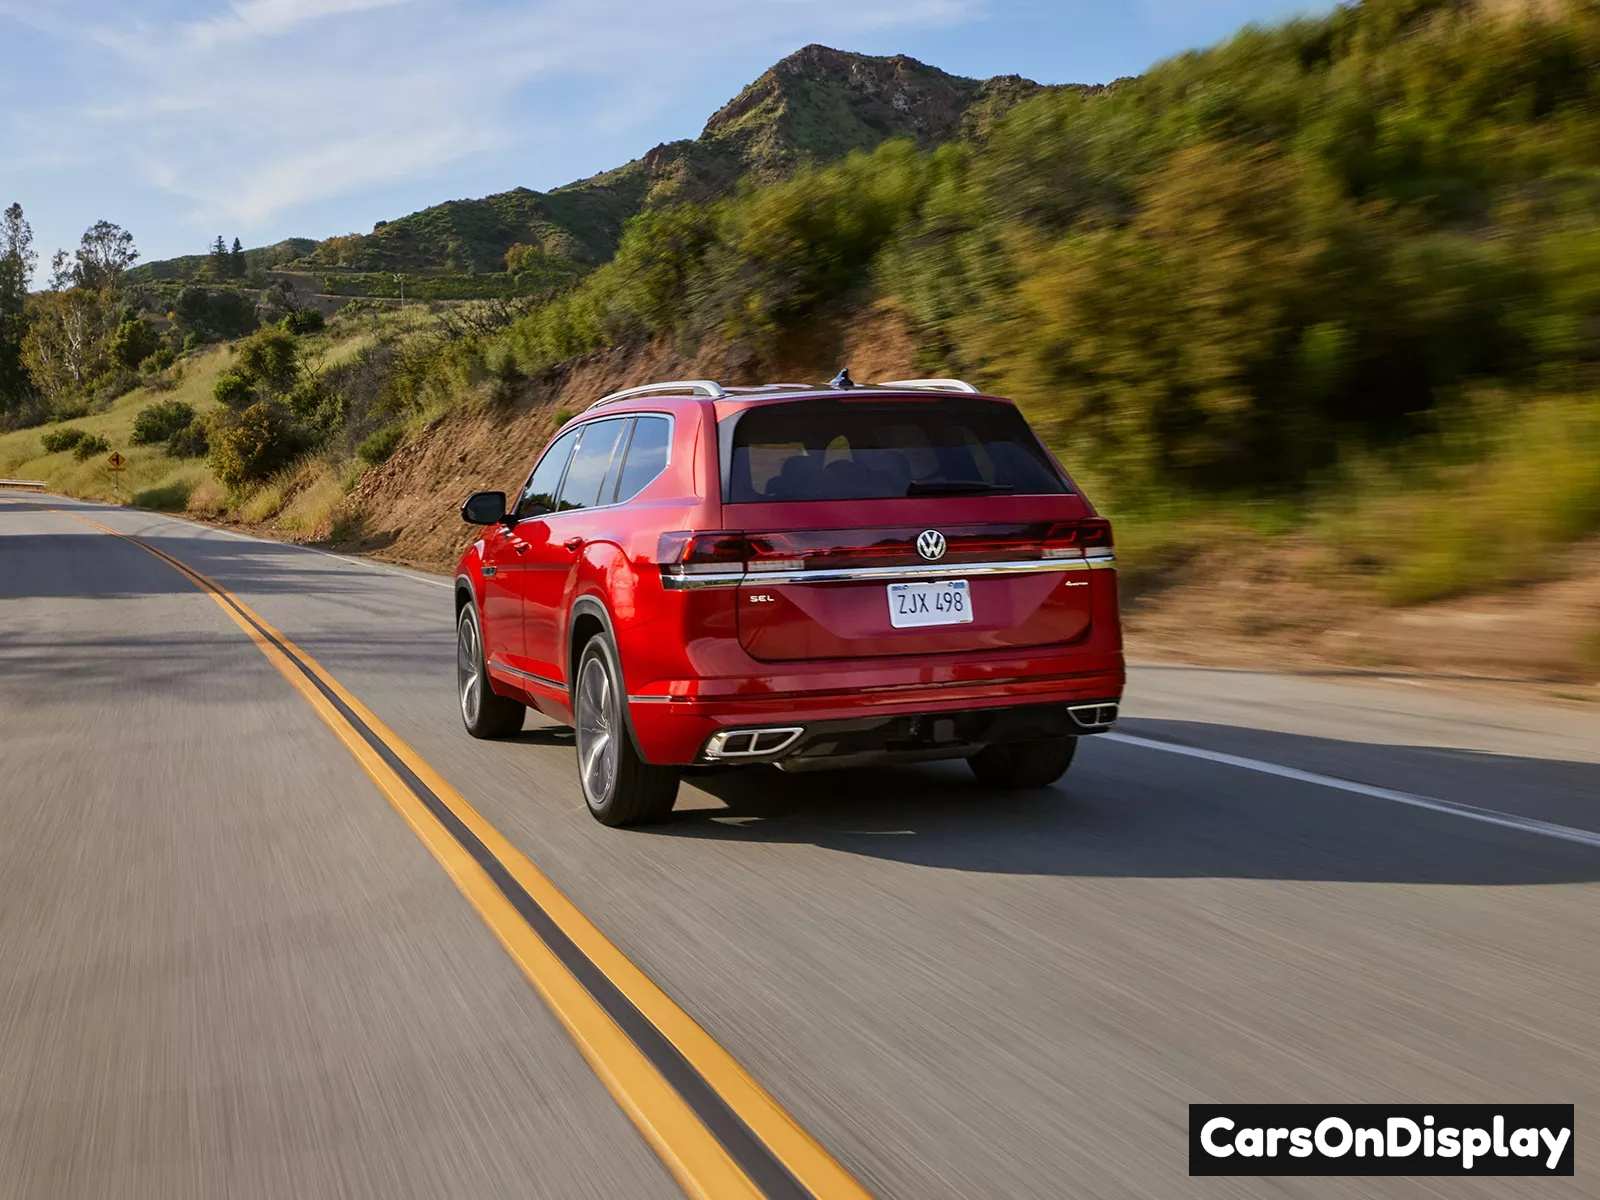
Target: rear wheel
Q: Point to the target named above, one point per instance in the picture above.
(485, 714)
(1024, 764)
(619, 787)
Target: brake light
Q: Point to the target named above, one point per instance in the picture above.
(686, 553)
(1069, 539)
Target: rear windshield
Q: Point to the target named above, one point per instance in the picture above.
(817, 450)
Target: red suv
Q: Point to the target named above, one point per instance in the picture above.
(811, 577)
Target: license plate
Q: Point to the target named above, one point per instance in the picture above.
(912, 605)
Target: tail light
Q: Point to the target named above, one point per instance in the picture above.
(1071, 539)
(686, 553)
(714, 553)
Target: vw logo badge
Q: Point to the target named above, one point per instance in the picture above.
(930, 544)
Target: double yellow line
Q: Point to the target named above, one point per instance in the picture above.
(717, 1130)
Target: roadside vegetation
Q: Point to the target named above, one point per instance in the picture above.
(1337, 279)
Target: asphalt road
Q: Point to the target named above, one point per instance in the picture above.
(231, 968)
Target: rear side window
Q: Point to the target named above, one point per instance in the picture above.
(539, 496)
(811, 450)
(647, 455)
(591, 464)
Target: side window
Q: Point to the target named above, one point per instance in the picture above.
(647, 455)
(539, 497)
(591, 464)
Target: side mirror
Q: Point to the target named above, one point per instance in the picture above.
(484, 508)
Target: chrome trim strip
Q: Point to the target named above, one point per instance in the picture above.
(936, 570)
(557, 685)
(649, 699)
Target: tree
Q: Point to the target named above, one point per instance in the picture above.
(66, 346)
(17, 260)
(218, 265)
(236, 263)
(104, 253)
(63, 272)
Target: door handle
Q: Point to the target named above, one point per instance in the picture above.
(521, 547)
(573, 543)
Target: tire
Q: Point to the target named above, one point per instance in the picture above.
(485, 714)
(1017, 765)
(619, 787)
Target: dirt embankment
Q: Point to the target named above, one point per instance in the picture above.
(1266, 602)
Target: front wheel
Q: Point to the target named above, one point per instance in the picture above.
(1019, 765)
(619, 787)
(485, 714)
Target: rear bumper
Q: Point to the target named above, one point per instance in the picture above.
(928, 736)
(677, 729)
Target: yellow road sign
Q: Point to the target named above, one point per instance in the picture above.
(116, 462)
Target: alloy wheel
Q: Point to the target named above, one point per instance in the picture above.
(596, 730)
(469, 677)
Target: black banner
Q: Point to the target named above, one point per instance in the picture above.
(1380, 1139)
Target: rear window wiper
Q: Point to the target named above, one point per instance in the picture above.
(955, 487)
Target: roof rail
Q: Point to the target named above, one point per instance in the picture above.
(701, 387)
(933, 385)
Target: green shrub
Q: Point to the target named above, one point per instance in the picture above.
(160, 360)
(254, 444)
(190, 441)
(133, 342)
(269, 360)
(507, 380)
(57, 440)
(233, 391)
(377, 447)
(159, 421)
(89, 445)
(317, 409)
(303, 320)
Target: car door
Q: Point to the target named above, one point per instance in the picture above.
(589, 482)
(511, 554)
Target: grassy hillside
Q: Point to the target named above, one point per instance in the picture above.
(150, 469)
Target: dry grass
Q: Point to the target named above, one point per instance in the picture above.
(208, 498)
(318, 491)
(264, 501)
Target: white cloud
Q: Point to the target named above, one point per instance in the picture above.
(271, 18)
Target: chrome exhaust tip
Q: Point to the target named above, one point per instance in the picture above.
(751, 743)
(1093, 716)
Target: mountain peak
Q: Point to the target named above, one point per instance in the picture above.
(819, 103)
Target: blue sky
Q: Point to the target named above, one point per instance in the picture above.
(182, 119)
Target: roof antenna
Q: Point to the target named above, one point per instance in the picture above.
(842, 380)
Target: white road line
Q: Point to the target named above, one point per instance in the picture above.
(1565, 833)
